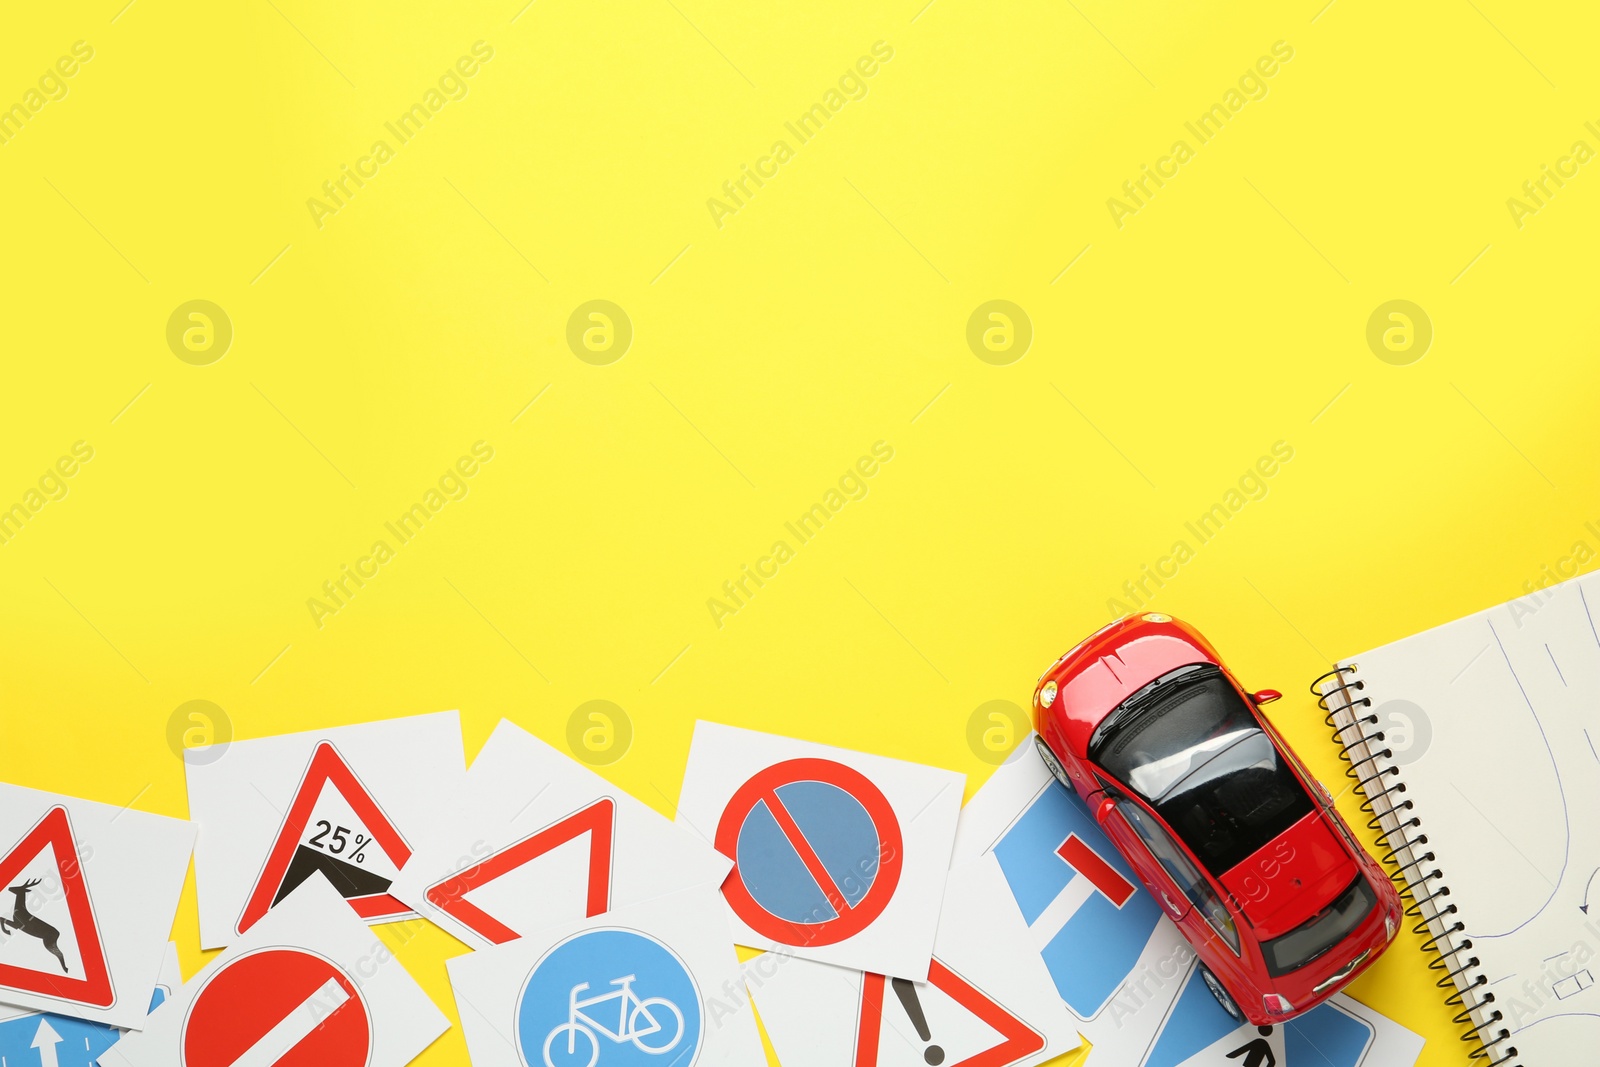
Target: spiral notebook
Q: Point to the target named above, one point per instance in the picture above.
(1476, 746)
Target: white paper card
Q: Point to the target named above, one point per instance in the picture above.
(1117, 968)
(652, 985)
(839, 856)
(88, 892)
(29, 1038)
(989, 999)
(310, 977)
(350, 802)
(1341, 1032)
(534, 838)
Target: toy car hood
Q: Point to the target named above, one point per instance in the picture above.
(1117, 661)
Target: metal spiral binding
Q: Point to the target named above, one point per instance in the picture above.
(1411, 865)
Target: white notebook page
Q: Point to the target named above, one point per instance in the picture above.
(1494, 724)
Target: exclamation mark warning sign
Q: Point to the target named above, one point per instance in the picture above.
(907, 992)
(973, 1030)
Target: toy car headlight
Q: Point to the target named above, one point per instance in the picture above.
(1047, 695)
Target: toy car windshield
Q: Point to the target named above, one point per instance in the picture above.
(1190, 745)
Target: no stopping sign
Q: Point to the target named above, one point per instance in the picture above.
(817, 852)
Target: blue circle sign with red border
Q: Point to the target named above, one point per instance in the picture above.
(817, 852)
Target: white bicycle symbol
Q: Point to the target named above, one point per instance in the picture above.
(636, 1020)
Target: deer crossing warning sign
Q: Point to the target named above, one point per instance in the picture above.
(49, 939)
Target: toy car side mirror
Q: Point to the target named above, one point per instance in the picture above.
(1265, 696)
(1107, 808)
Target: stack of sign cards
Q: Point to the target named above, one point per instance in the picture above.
(987, 999)
(88, 893)
(308, 986)
(898, 929)
(31, 1037)
(533, 839)
(601, 936)
(877, 955)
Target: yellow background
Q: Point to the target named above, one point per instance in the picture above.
(768, 354)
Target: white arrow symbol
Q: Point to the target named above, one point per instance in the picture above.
(46, 1041)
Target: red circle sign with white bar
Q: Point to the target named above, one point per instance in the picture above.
(278, 1008)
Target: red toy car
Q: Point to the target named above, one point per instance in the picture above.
(1225, 828)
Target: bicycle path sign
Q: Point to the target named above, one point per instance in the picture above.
(653, 984)
(609, 997)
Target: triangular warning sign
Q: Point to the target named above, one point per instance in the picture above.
(91, 985)
(597, 820)
(330, 845)
(1017, 1039)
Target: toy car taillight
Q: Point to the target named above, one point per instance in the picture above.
(1276, 1004)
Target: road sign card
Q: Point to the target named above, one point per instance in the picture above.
(1114, 958)
(650, 985)
(348, 803)
(308, 986)
(535, 839)
(839, 856)
(988, 1001)
(44, 1039)
(1196, 1032)
(87, 896)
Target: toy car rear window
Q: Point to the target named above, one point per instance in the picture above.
(1196, 753)
(1321, 932)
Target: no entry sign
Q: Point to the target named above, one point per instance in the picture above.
(278, 1007)
(817, 852)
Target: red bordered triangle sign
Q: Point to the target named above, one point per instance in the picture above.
(597, 820)
(93, 987)
(1017, 1039)
(371, 899)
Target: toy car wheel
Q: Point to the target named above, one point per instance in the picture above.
(1053, 764)
(1224, 998)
